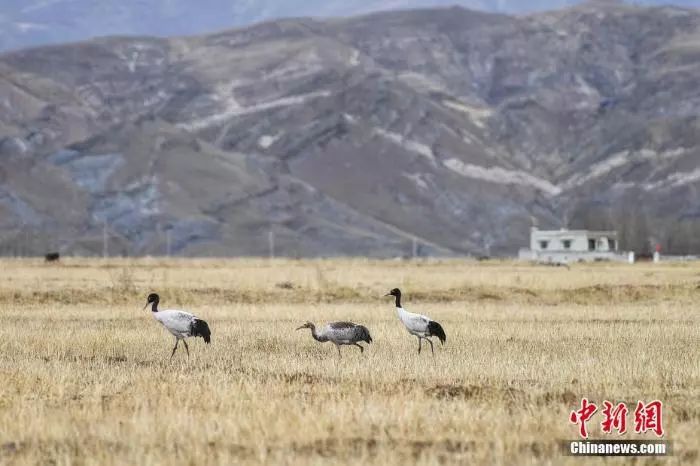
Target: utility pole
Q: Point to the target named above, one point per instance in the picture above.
(415, 247)
(27, 243)
(271, 243)
(167, 242)
(105, 240)
(17, 243)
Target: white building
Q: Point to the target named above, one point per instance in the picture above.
(564, 246)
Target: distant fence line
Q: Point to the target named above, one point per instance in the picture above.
(33, 242)
(26, 243)
(104, 241)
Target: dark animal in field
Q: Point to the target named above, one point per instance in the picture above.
(52, 257)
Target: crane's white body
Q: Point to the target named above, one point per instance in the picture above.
(179, 323)
(416, 324)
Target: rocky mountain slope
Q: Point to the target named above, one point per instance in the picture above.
(354, 136)
(25, 23)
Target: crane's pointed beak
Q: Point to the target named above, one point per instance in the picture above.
(388, 294)
(303, 326)
(144, 308)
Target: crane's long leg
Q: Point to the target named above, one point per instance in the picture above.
(359, 346)
(419, 342)
(176, 342)
(431, 345)
(188, 350)
(339, 355)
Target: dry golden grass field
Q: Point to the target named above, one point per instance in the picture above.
(85, 375)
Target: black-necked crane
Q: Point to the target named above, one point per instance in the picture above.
(180, 323)
(340, 333)
(419, 325)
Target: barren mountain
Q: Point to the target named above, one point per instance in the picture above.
(354, 136)
(26, 23)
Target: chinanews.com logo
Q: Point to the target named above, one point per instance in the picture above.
(648, 419)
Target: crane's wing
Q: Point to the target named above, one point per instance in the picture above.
(340, 331)
(341, 325)
(178, 321)
(416, 322)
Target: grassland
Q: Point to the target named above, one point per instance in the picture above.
(85, 376)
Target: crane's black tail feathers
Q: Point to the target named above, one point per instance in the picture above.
(436, 330)
(364, 334)
(201, 329)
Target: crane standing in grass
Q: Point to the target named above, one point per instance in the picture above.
(180, 323)
(419, 325)
(340, 333)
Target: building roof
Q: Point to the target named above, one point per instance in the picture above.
(609, 233)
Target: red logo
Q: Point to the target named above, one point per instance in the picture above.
(615, 418)
(647, 417)
(582, 416)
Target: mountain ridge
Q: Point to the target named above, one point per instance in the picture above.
(353, 136)
(28, 23)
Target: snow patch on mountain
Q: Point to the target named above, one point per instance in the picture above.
(413, 146)
(267, 140)
(619, 160)
(500, 175)
(675, 180)
(478, 115)
(234, 109)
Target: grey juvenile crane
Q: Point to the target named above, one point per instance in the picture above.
(419, 325)
(340, 333)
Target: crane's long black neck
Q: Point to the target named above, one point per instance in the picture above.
(154, 306)
(398, 300)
